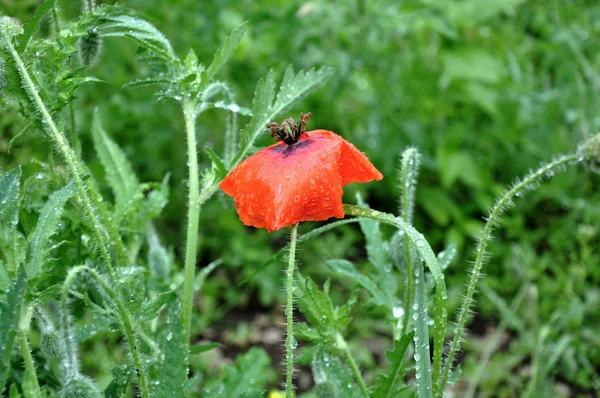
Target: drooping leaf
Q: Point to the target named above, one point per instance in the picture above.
(265, 107)
(10, 308)
(140, 31)
(223, 54)
(119, 172)
(248, 376)
(391, 383)
(9, 196)
(346, 268)
(333, 378)
(172, 372)
(47, 225)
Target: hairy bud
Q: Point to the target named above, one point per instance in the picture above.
(79, 387)
(51, 345)
(90, 46)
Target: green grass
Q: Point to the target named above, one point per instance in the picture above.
(94, 186)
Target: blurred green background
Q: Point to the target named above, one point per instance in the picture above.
(485, 91)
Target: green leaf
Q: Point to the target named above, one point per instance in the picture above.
(332, 378)
(140, 31)
(150, 309)
(172, 372)
(378, 253)
(9, 196)
(122, 376)
(265, 107)
(445, 257)
(119, 172)
(316, 306)
(200, 348)
(223, 54)
(217, 163)
(10, 309)
(346, 268)
(47, 225)
(471, 64)
(391, 383)
(253, 394)
(248, 376)
(31, 26)
(4, 277)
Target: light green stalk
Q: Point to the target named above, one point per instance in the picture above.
(289, 312)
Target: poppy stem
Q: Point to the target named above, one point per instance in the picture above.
(290, 341)
(191, 244)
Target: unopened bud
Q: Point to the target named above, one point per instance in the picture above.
(90, 46)
(79, 387)
(51, 345)
(590, 151)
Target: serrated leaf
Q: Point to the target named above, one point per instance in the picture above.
(265, 107)
(391, 383)
(9, 196)
(378, 253)
(172, 372)
(122, 376)
(140, 31)
(346, 268)
(200, 348)
(223, 54)
(119, 172)
(47, 225)
(332, 378)
(10, 309)
(316, 306)
(150, 309)
(247, 376)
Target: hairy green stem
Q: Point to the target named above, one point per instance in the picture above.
(126, 323)
(341, 344)
(497, 210)
(191, 244)
(66, 151)
(289, 312)
(31, 386)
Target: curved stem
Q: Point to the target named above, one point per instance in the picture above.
(126, 323)
(66, 151)
(497, 210)
(191, 244)
(289, 312)
(343, 346)
(31, 386)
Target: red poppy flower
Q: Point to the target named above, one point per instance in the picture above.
(297, 179)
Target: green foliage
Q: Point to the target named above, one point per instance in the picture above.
(331, 377)
(10, 308)
(247, 376)
(485, 93)
(45, 228)
(391, 383)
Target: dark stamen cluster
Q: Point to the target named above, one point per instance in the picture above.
(288, 131)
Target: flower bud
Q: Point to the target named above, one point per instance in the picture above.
(51, 344)
(90, 46)
(79, 387)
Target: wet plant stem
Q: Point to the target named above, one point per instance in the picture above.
(30, 381)
(191, 244)
(126, 324)
(289, 313)
(500, 206)
(343, 346)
